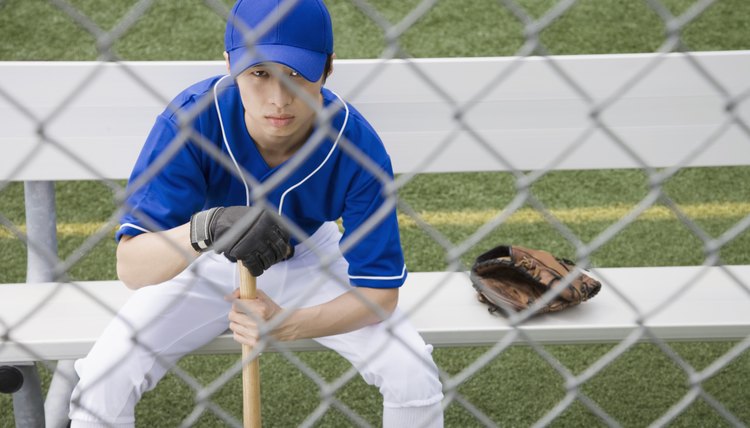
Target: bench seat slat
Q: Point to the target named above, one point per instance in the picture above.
(713, 307)
(669, 113)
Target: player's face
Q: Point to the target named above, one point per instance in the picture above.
(276, 113)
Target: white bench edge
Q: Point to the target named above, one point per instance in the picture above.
(711, 306)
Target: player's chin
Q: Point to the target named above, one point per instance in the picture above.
(280, 132)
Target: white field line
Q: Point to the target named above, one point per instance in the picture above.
(723, 210)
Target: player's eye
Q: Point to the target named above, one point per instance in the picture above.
(294, 73)
(260, 73)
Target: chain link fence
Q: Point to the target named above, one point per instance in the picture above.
(455, 252)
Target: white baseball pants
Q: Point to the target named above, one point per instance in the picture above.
(160, 324)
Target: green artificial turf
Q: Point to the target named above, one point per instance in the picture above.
(518, 387)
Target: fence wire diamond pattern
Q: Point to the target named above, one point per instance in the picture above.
(45, 265)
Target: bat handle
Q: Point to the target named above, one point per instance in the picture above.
(250, 370)
(248, 289)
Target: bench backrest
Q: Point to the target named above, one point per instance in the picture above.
(88, 120)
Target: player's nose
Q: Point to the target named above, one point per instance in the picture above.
(280, 94)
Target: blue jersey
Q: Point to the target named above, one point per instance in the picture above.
(174, 177)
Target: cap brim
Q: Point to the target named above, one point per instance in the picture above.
(308, 63)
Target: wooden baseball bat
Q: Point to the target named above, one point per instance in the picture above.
(250, 370)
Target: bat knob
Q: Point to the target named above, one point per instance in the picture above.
(11, 379)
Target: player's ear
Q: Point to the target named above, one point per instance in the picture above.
(226, 59)
(330, 66)
(328, 69)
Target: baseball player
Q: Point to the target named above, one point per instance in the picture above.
(256, 166)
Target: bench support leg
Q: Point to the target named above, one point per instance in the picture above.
(41, 232)
(57, 404)
(28, 405)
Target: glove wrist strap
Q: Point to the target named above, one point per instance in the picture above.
(200, 231)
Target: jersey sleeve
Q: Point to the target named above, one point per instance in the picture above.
(371, 242)
(167, 184)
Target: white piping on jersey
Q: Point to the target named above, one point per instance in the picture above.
(335, 144)
(281, 201)
(381, 278)
(226, 143)
(242, 176)
(134, 227)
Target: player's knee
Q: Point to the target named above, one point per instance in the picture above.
(410, 380)
(112, 379)
(107, 392)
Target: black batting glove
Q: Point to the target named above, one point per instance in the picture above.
(259, 240)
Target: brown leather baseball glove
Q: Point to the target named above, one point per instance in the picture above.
(510, 278)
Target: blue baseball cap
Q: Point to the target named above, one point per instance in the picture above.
(299, 35)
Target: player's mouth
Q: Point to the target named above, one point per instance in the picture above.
(280, 120)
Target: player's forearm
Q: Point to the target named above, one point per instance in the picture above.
(344, 314)
(151, 258)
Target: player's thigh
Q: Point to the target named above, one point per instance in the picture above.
(167, 320)
(156, 326)
(393, 356)
(311, 277)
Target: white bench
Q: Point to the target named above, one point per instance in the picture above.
(663, 117)
(668, 118)
(68, 321)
